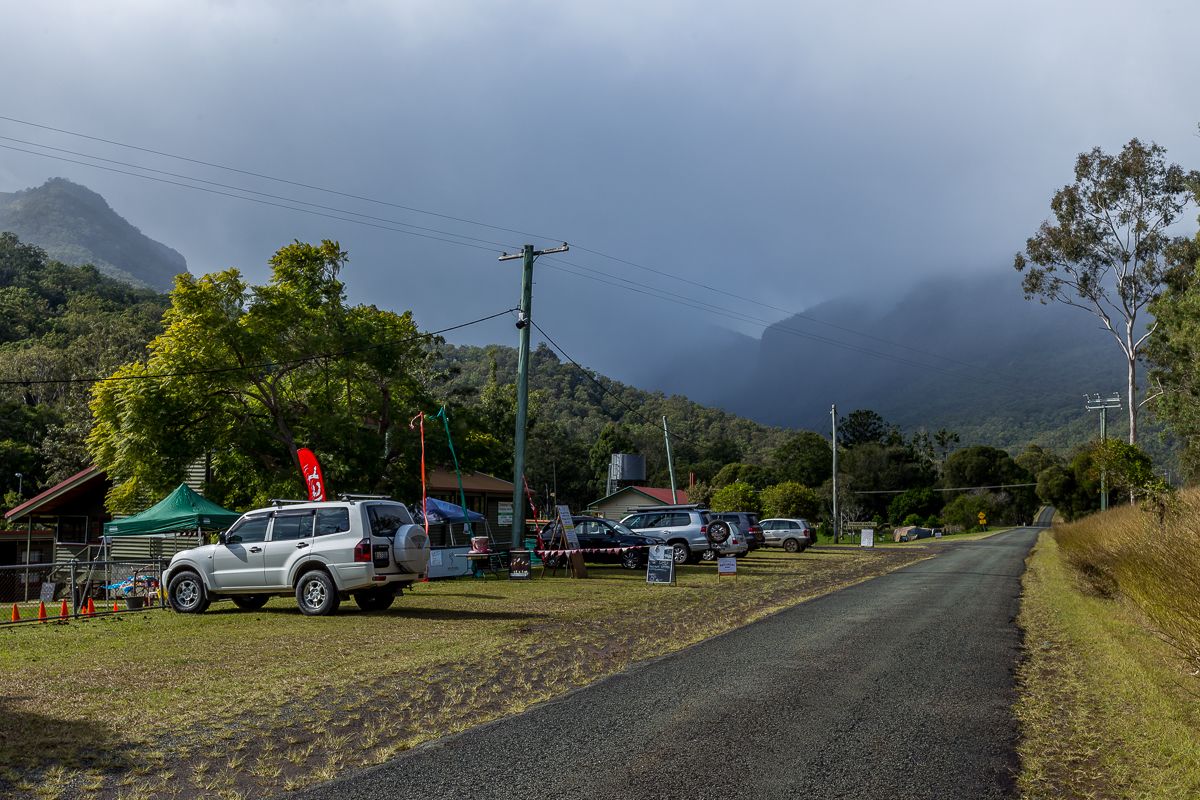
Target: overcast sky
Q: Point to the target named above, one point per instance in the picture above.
(788, 151)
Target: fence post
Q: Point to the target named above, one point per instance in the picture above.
(74, 586)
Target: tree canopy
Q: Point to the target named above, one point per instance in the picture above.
(245, 375)
(1105, 250)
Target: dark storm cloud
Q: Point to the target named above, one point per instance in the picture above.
(787, 151)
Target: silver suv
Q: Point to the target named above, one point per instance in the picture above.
(320, 552)
(685, 528)
(793, 535)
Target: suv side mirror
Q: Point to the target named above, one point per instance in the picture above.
(222, 538)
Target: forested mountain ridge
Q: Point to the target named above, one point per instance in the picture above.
(59, 326)
(76, 226)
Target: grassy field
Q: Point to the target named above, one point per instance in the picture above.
(245, 704)
(1107, 693)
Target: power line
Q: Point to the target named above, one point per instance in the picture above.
(248, 199)
(244, 189)
(604, 388)
(952, 489)
(267, 365)
(465, 220)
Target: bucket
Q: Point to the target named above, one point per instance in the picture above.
(479, 544)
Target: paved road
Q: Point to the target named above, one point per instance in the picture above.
(897, 688)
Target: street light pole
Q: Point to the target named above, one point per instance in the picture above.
(837, 524)
(20, 483)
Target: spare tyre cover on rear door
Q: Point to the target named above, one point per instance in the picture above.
(718, 531)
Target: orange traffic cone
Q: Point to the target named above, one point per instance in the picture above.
(115, 609)
(42, 611)
(90, 609)
(63, 615)
(16, 615)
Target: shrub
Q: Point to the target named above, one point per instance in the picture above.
(790, 499)
(737, 496)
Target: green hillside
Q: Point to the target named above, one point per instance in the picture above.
(75, 225)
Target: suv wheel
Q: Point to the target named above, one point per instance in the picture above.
(316, 594)
(708, 555)
(250, 602)
(630, 559)
(792, 546)
(375, 600)
(187, 594)
(680, 552)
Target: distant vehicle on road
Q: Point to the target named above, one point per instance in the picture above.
(320, 552)
(596, 533)
(793, 535)
(747, 523)
(685, 528)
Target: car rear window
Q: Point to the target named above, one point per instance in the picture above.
(386, 519)
(332, 520)
(292, 525)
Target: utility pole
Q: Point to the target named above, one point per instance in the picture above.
(670, 462)
(528, 255)
(837, 526)
(1103, 404)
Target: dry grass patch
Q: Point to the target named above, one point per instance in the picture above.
(265, 701)
(1107, 708)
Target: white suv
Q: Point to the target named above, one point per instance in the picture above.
(322, 552)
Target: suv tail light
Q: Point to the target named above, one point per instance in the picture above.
(756, 531)
(704, 529)
(362, 551)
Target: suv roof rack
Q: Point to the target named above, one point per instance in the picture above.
(668, 507)
(276, 501)
(347, 496)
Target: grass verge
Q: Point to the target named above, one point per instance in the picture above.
(246, 704)
(1107, 707)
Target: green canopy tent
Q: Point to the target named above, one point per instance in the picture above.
(181, 510)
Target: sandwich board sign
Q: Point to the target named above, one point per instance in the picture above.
(660, 566)
(726, 566)
(868, 537)
(568, 526)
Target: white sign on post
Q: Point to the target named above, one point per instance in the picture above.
(568, 524)
(868, 537)
(504, 514)
(726, 565)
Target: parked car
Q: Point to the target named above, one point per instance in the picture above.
(793, 535)
(320, 552)
(685, 528)
(747, 523)
(603, 534)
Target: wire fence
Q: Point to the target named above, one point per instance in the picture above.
(67, 590)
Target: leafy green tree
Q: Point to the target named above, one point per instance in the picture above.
(963, 511)
(872, 469)
(991, 473)
(864, 426)
(737, 496)
(914, 502)
(804, 457)
(1105, 250)
(790, 499)
(249, 374)
(756, 476)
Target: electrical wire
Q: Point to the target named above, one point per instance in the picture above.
(266, 365)
(605, 389)
(465, 220)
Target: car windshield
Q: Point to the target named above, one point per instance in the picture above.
(623, 530)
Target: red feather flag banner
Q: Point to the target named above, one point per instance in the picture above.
(311, 470)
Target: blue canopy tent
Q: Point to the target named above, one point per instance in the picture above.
(441, 511)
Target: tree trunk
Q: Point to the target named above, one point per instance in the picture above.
(1131, 390)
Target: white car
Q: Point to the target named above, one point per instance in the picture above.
(321, 552)
(793, 535)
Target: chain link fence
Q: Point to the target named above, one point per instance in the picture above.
(65, 588)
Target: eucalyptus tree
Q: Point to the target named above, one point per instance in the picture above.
(1105, 250)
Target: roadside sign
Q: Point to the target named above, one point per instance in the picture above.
(660, 566)
(568, 525)
(867, 538)
(504, 515)
(48, 592)
(937, 534)
(982, 518)
(726, 565)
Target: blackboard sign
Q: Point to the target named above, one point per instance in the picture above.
(660, 566)
(47, 592)
(518, 565)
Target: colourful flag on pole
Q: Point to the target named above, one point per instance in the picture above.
(311, 470)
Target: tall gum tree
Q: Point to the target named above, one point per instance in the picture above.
(1104, 250)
